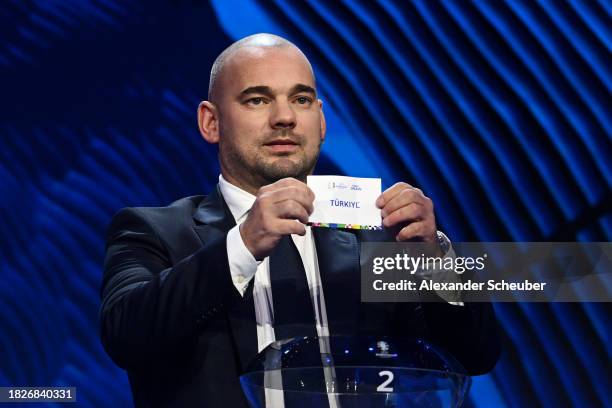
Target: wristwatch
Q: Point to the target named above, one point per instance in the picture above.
(443, 242)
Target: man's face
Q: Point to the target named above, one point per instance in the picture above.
(271, 124)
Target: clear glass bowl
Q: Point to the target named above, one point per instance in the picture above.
(348, 372)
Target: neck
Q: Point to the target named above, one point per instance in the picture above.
(252, 183)
(248, 187)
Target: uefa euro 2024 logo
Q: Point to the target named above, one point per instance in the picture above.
(332, 185)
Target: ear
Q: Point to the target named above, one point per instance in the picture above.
(208, 122)
(323, 123)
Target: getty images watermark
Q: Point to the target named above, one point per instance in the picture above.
(487, 271)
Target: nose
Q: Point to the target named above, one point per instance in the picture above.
(282, 115)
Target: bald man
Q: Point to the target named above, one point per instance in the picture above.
(193, 291)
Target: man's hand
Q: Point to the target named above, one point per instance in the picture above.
(274, 214)
(407, 210)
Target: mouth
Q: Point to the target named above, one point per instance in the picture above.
(282, 146)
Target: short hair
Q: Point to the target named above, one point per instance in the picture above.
(261, 40)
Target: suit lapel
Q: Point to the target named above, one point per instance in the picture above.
(338, 257)
(214, 211)
(213, 219)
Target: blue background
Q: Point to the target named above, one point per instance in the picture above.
(500, 111)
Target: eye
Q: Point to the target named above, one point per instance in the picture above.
(303, 100)
(256, 101)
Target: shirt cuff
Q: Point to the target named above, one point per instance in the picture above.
(242, 263)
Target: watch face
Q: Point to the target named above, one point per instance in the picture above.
(443, 243)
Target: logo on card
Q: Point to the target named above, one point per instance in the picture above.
(332, 185)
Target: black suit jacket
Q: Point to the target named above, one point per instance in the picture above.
(171, 316)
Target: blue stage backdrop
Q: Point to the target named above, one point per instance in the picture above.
(500, 111)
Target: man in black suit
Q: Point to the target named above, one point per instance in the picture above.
(191, 292)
